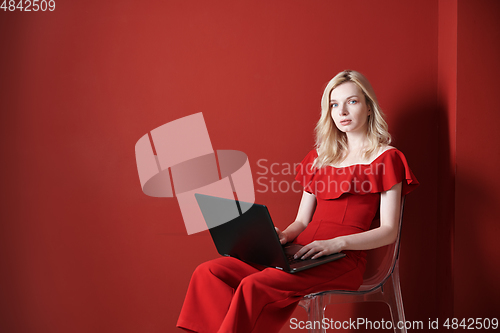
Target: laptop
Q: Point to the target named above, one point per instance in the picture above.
(251, 236)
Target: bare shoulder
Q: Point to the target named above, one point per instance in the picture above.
(383, 149)
(386, 147)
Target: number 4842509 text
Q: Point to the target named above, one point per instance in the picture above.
(28, 5)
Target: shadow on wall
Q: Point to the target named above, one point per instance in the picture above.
(473, 266)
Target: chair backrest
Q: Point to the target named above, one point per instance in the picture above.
(381, 261)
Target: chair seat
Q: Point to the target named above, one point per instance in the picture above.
(380, 284)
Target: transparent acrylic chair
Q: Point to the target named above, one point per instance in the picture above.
(380, 284)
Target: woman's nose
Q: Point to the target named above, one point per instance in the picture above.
(343, 110)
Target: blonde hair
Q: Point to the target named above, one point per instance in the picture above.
(331, 143)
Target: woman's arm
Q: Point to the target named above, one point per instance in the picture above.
(386, 233)
(304, 216)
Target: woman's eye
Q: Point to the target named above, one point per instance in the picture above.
(334, 105)
(353, 101)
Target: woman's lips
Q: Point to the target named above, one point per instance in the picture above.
(345, 122)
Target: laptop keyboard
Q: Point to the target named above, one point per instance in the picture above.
(292, 260)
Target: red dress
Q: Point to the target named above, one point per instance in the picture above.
(227, 295)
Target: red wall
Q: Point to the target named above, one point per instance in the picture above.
(446, 143)
(477, 250)
(84, 250)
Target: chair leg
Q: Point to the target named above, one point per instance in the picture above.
(394, 298)
(315, 313)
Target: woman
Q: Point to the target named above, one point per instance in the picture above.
(351, 176)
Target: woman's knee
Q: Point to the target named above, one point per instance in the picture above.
(219, 267)
(208, 267)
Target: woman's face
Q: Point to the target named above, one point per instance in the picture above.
(348, 108)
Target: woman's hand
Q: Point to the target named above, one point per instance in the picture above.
(320, 248)
(282, 236)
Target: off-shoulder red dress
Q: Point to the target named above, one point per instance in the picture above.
(228, 295)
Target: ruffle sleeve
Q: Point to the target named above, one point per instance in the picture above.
(387, 170)
(395, 170)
